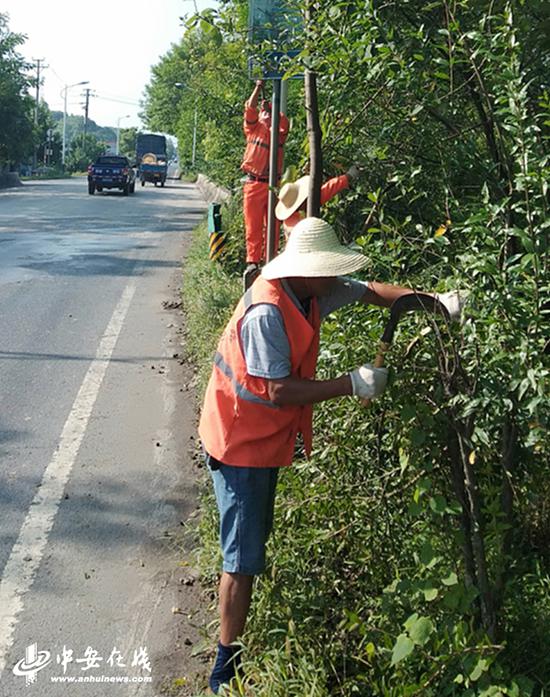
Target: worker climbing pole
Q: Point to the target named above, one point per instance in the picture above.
(272, 28)
(262, 164)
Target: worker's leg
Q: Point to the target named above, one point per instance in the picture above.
(235, 595)
(254, 207)
(245, 498)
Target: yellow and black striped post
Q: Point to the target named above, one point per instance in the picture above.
(217, 236)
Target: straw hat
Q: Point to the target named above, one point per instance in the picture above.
(312, 251)
(291, 197)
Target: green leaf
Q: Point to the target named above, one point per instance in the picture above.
(403, 459)
(420, 630)
(450, 580)
(409, 622)
(402, 648)
(415, 509)
(427, 555)
(480, 668)
(452, 598)
(430, 591)
(417, 437)
(438, 504)
(408, 412)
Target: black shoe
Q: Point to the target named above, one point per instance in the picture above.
(250, 275)
(227, 662)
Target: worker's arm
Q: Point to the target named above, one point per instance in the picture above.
(266, 351)
(253, 99)
(384, 295)
(292, 391)
(333, 186)
(251, 109)
(284, 125)
(366, 382)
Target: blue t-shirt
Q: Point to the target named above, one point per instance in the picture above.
(263, 337)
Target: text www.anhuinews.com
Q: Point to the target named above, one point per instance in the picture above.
(100, 678)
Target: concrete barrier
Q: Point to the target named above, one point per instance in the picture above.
(211, 192)
(9, 179)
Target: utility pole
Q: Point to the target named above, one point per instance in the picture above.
(86, 106)
(38, 61)
(117, 151)
(64, 93)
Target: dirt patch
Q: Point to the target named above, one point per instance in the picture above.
(188, 607)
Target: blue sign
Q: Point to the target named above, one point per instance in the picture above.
(274, 30)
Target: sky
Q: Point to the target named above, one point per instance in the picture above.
(110, 43)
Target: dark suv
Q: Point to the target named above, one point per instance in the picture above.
(111, 172)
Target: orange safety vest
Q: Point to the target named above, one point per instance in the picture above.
(258, 138)
(239, 424)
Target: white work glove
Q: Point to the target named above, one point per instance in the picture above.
(353, 173)
(453, 301)
(368, 382)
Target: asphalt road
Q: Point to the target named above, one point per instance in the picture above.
(95, 428)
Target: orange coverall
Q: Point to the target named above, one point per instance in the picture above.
(255, 164)
(329, 189)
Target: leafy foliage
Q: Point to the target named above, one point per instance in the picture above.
(410, 555)
(84, 149)
(15, 104)
(128, 137)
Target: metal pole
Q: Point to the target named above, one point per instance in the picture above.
(117, 150)
(38, 61)
(86, 111)
(35, 154)
(284, 95)
(64, 126)
(273, 170)
(64, 92)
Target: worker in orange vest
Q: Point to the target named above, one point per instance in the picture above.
(255, 165)
(260, 397)
(291, 206)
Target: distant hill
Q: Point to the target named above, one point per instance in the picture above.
(75, 126)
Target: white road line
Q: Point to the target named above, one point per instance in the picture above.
(27, 552)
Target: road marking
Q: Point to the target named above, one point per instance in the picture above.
(27, 552)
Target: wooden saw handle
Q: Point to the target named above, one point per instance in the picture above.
(378, 363)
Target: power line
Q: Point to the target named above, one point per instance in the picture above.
(120, 101)
(61, 80)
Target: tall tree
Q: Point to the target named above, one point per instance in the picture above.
(84, 149)
(16, 106)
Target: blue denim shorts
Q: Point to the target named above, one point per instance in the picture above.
(245, 498)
